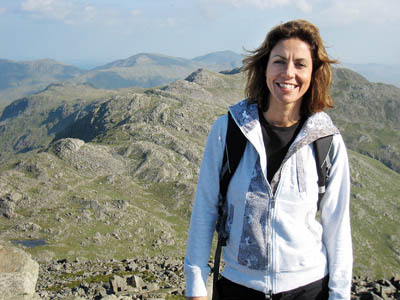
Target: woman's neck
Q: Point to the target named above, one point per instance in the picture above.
(283, 113)
(282, 118)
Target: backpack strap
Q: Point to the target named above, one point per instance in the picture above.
(322, 147)
(235, 143)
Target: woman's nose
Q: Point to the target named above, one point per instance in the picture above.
(289, 70)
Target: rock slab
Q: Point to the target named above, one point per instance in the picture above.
(18, 274)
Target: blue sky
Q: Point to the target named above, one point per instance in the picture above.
(90, 32)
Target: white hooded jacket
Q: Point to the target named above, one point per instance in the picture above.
(276, 242)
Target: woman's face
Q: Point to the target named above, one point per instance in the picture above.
(289, 72)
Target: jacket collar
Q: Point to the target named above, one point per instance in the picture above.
(246, 117)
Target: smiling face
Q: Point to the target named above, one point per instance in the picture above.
(288, 73)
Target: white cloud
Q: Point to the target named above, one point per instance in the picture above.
(208, 9)
(333, 11)
(70, 12)
(48, 8)
(303, 5)
(345, 12)
(90, 12)
(136, 12)
(262, 4)
(170, 22)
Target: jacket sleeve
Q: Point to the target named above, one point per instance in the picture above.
(204, 213)
(335, 216)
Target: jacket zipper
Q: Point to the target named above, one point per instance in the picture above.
(270, 239)
(270, 267)
(271, 207)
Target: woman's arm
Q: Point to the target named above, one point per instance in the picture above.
(335, 216)
(204, 213)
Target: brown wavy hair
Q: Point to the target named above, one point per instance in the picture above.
(317, 97)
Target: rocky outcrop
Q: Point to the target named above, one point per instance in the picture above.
(65, 147)
(18, 274)
(364, 289)
(7, 204)
(187, 88)
(156, 278)
(152, 278)
(209, 79)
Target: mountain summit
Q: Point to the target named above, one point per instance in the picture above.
(147, 59)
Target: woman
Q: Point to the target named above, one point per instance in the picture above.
(277, 249)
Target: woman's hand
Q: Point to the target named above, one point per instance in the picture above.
(196, 298)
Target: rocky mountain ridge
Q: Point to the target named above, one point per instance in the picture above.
(99, 174)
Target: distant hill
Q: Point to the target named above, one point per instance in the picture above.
(143, 70)
(146, 59)
(377, 72)
(220, 61)
(18, 79)
(150, 70)
(21, 78)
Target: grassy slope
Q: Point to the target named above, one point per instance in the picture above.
(375, 209)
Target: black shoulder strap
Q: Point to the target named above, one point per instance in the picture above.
(322, 147)
(235, 142)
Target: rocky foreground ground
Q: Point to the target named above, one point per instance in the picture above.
(156, 278)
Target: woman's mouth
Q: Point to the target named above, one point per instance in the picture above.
(287, 85)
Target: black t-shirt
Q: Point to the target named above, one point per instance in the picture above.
(277, 141)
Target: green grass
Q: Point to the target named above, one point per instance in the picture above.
(375, 209)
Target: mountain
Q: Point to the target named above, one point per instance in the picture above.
(144, 70)
(220, 61)
(369, 116)
(377, 72)
(147, 59)
(111, 174)
(20, 78)
(149, 70)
